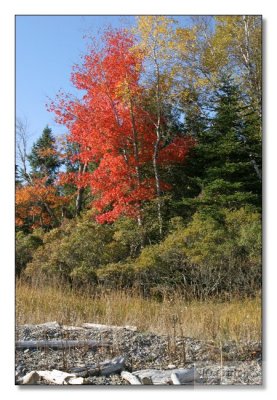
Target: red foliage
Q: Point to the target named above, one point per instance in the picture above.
(176, 151)
(115, 184)
(112, 128)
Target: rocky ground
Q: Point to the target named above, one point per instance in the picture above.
(228, 364)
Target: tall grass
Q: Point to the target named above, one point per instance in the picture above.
(237, 319)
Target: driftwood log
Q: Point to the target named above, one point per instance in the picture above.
(101, 327)
(132, 379)
(108, 367)
(45, 325)
(54, 376)
(88, 325)
(59, 344)
(117, 365)
(186, 375)
(168, 377)
(72, 328)
(88, 370)
(31, 378)
(76, 375)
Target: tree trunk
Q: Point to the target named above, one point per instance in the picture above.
(80, 193)
(157, 143)
(158, 187)
(137, 168)
(51, 213)
(256, 168)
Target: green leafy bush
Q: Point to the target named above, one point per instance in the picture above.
(24, 248)
(225, 251)
(213, 254)
(78, 248)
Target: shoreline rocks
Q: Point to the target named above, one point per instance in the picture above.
(229, 364)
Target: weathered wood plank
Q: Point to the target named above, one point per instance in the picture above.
(58, 344)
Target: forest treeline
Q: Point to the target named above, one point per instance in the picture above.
(157, 184)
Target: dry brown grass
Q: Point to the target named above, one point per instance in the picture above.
(238, 320)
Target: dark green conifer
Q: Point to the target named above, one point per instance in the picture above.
(226, 162)
(44, 160)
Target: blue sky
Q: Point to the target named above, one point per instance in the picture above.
(46, 49)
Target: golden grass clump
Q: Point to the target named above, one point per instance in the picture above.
(237, 319)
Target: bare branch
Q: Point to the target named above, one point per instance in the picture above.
(22, 137)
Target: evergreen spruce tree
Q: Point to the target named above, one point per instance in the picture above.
(185, 178)
(195, 119)
(186, 120)
(44, 160)
(226, 161)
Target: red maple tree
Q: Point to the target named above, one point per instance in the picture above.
(113, 130)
